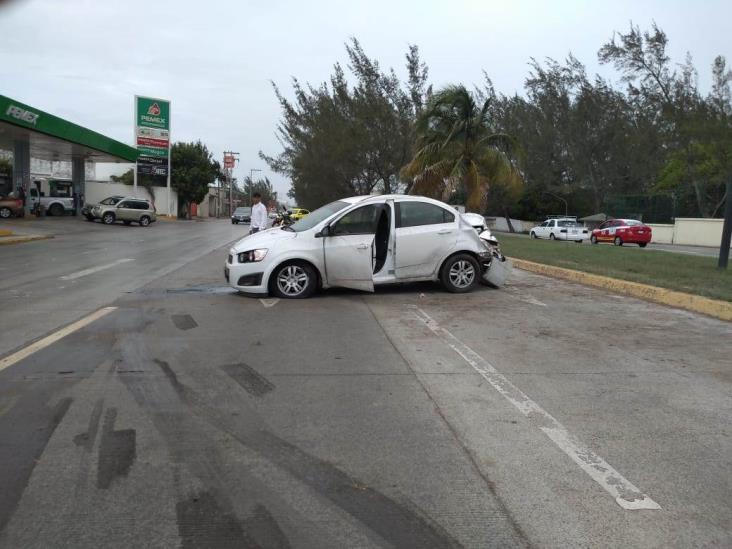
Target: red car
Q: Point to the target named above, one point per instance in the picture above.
(10, 207)
(622, 231)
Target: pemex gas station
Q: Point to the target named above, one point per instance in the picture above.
(30, 132)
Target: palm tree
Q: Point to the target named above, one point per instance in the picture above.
(456, 147)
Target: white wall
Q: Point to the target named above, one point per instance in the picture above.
(661, 233)
(99, 190)
(698, 231)
(499, 224)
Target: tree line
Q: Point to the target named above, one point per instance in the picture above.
(655, 145)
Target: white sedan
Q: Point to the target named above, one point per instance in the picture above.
(561, 229)
(358, 243)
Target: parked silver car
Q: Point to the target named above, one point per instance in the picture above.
(120, 208)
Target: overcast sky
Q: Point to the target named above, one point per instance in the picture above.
(84, 60)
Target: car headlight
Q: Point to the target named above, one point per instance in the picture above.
(252, 255)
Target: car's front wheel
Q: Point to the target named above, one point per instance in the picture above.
(593, 239)
(552, 237)
(294, 280)
(618, 241)
(460, 273)
(108, 218)
(532, 234)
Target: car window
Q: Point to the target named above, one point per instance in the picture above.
(321, 214)
(141, 205)
(359, 221)
(631, 222)
(123, 204)
(413, 214)
(568, 223)
(112, 200)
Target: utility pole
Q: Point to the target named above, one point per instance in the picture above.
(251, 184)
(726, 228)
(230, 160)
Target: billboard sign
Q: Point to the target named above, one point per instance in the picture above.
(152, 135)
(229, 161)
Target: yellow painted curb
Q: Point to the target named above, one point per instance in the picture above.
(166, 218)
(6, 232)
(698, 304)
(21, 239)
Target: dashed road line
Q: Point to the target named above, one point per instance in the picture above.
(625, 493)
(53, 338)
(93, 270)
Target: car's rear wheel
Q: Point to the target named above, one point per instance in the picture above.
(144, 221)
(56, 210)
(551, 236)
(593, 239)
(295, 280)
(642, 244)
(578, 241)
(618, 241)
(460, 273)
(5, 213)
(108, 218)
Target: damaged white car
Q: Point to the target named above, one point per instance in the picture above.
(364, 241)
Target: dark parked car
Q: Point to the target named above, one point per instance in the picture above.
(242, 214)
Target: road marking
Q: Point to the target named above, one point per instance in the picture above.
(53, 338)
(626, 494)
(93, 270)
(270, 302)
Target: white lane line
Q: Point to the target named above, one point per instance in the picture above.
(625, 493)
(53, 338)
(270, 302)
(93, 270)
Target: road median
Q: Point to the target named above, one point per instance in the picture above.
(698, 304)
(6, 239)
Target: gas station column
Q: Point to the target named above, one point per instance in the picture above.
(22, 169)
(78, 175)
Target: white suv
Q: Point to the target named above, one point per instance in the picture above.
(561, 228)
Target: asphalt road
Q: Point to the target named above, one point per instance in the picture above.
(537, 415)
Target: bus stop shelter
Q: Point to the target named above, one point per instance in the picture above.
(32, 133)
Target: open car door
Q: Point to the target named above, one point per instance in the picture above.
(349, 249)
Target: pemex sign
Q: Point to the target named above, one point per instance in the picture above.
(152, 135)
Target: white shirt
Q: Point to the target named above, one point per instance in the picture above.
(259, 217)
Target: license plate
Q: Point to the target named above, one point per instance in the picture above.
(574, 231)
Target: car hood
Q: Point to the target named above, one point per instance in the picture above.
(263, 239)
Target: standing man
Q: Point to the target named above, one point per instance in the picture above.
(259, 215)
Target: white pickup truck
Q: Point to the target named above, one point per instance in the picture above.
(56, 196)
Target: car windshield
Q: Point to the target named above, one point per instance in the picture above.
(318, 215)
(568, 224)
(240, 211)
(111, 201)
(631, 222)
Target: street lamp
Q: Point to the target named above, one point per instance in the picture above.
(251, 184)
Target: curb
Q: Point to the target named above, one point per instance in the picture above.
(6, 232)
(698, 304)
(21, 239)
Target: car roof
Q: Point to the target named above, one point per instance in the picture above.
(383, 197)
